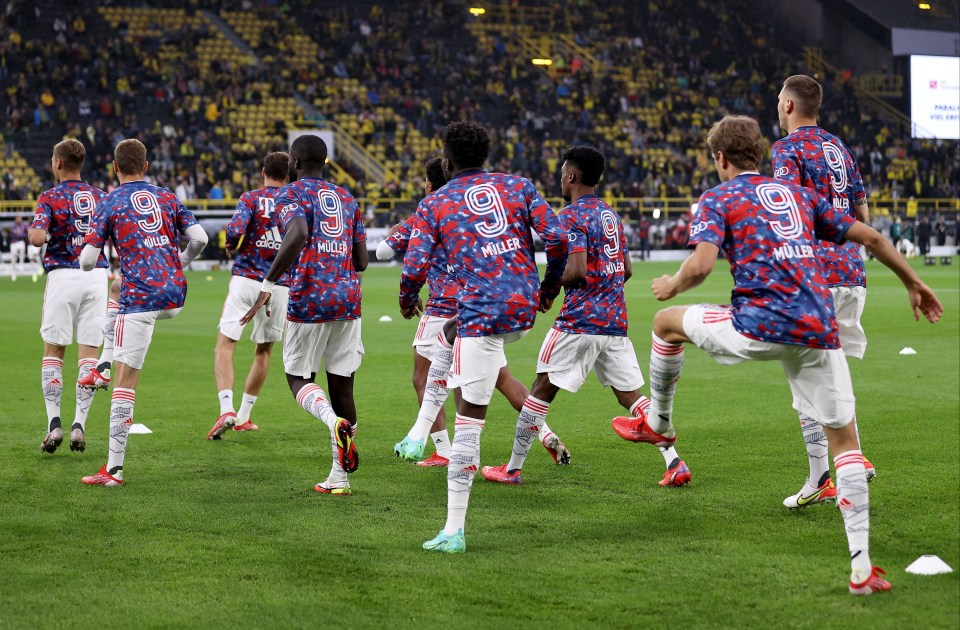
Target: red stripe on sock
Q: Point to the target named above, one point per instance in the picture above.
(113, 304)
(536, 407)
(305, 391)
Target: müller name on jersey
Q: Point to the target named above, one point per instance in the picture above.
(156, 241)
(501, 247)
(332, 247)
(793, 251)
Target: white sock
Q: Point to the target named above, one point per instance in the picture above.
(106, 355)
(51, 380)
(666, 364)
(464, 462)
(121, 418)
(314, 401)
(84, 395)
(670, 456)
(246, 406)
(338, 476)
(226, 401)
(441, 442)
(545, 432)
(435, 393)
(817, 453)
(853, 499)
(531, 422)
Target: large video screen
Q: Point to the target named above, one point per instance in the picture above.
(935, 97)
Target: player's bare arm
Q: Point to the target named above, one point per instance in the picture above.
(361, 257)
(293, 241)
(861, 210)
(692, 273)
(415, 310)
(922, 298)
(627, 268)
(37, 237)
(576, 269)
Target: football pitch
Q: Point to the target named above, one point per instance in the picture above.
(232, 534)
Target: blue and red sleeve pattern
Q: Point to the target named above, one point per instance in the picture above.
(324, 286)
(768, 231)
(596, 306)
(442, 299)
(816, 159)
(145, 222)
(64, 212)
(481, 221)
(255, 222)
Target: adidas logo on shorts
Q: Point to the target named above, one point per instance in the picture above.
(270, 240)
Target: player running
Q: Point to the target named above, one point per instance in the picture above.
(73, 301)
(781, 309)
(590, 332)
(254, 223)
(818, 160)
(482, 222)
(145, 223)
(433, 352)
(323, 233)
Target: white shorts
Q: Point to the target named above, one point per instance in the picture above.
(18, 250)
(848, 302)
(425, 341)
(567, 359)
(132, 334)
(242, 295)
(74, 301)
(338, 344)
(476, 365)
(819, 379)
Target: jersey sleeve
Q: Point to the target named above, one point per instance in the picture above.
(99, 226)
(786, 164)
(184, 217)
(710, 223)
(359, 231)
(288, 207)
(424, 238)
(240, 220)
(857, 188)
(399, 240)
(576, 232)
(43, 214)
(548, 226)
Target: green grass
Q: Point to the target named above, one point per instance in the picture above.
(231, 534)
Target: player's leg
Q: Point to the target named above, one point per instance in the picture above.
(517, 394)
(223, 377)
(849, 302)
(61, 299)
(90, 322)
(475, 368)
(99, 377)
(134, 332)
(267, 331)
(434, 396)
(666, 364)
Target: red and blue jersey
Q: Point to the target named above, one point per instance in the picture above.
(324, 286)
(254, 221)
(145, 223)
(482, 223)
(64, 213)
(768, 231)
(819, 160)
(596, 306)
(442, 300)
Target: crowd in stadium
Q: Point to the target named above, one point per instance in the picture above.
(670, 75)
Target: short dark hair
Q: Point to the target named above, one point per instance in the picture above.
(588, 160)
(434, 173)
(131, 156)
(276, 165)
(71, 153)
(466, 143)
(806, 93)
(311, 150)
(740, 140)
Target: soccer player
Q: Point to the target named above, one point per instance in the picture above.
(18, 245)
(816, 159)
(433, 352)
(145, 223)
(482, 222)
(781, 309)
(74, 301)
(253, 221)
(590, 332)
(323, 233)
